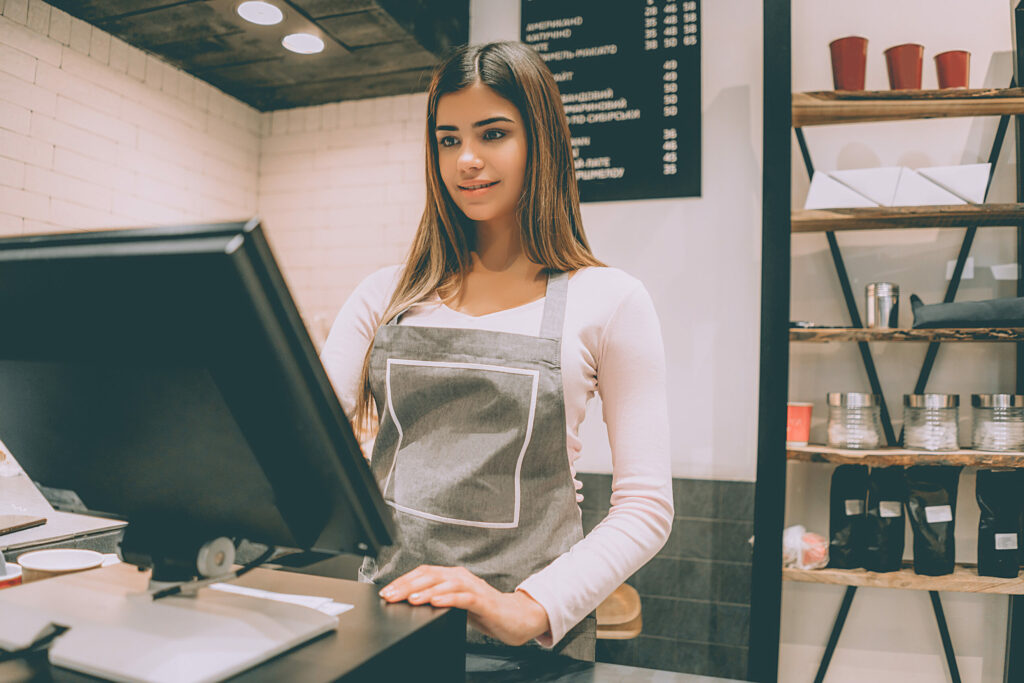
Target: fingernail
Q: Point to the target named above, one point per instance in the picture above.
(414, 597)
(386, 593)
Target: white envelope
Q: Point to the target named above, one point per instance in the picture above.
(914, 189)
(877, 184)
(827, 193)
(967, 181)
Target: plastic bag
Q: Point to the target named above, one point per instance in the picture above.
(999, 525)
(802, 549)
(931, 504)
(848, 495)
(884, 525)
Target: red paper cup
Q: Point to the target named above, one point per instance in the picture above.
(954, 68)
(849, 59)
(798, 423)
(904, 64)
(12, 577)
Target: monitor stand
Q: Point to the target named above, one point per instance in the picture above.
(118, 632)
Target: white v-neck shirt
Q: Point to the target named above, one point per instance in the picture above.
(611, 344)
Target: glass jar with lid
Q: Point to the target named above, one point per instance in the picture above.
(930, 422)
(854, 420)
(997, 422)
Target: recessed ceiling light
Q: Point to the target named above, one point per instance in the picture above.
(262, 13)
(303, 43)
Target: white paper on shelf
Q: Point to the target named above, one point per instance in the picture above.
(914, 189)
(321, 604)
(877, 184)
(827, 193)
(966, 181)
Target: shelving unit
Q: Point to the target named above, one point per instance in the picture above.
(903, 217)
(947, 334)
(831, 108)
(901, 457)
(964, 579)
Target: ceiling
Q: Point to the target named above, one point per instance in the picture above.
(372, 48)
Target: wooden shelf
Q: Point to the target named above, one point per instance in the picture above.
(828, 107)
(964, 579)
(854, 334)
(889, 457)
(898, 217)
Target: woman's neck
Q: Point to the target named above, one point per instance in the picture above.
(497, 247)
(500, 276)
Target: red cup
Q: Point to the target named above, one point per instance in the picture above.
(849, 59)
(798, 423)
(904, 64)
(12, 577)
(954, 68)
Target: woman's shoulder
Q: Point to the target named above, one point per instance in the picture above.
(605, 282)
(380, 284)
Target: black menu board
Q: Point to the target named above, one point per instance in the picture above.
(629, 74)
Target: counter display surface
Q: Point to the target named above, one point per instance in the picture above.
(376, 641)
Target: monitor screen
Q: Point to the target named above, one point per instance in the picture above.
(165, 375)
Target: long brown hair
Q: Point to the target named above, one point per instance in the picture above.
(548, 212)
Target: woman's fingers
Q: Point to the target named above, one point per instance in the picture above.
(422, 578)
(436, 590)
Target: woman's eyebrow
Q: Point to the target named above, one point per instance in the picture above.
(478, 124)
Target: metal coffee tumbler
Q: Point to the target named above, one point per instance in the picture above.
(883, 304)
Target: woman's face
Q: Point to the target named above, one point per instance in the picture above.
(481, 150)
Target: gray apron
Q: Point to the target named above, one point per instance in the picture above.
(471, 454)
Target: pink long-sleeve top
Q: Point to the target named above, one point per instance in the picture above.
(611, 345)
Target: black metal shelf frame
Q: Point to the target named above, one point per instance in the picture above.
(763, 664)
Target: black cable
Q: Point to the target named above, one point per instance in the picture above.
(41, 643)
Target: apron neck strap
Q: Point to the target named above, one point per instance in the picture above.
(554, 306)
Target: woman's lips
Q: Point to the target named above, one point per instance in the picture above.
(476, 189)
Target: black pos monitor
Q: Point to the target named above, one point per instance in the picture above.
(165, 376)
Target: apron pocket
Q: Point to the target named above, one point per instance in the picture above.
(463, 430)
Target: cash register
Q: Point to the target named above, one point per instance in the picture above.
(164, 376)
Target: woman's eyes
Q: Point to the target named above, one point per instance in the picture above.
(490, 134)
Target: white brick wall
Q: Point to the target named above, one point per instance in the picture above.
(341, 192)
(97, 134)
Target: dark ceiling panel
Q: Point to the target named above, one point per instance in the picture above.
(373, 47)
(190, 21)
(333, 90)
(294, 69)
(359, 29)
(326, 8)
(96, 10)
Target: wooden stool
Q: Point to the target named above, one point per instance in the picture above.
(618, 616)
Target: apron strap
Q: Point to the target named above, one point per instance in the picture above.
(554, 306)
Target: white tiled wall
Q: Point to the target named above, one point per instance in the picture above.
(341, 192)
(95, 133)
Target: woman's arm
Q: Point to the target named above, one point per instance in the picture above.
(352, 332)
(631, 382)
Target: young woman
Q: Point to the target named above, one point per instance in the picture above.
(479, 356)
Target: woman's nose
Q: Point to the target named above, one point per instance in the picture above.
(469, 159)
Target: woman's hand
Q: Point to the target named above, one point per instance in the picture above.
(513, 618)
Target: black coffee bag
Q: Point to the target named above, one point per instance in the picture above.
(884, 525)
(848, 497)
(931, 505)
(999, 527)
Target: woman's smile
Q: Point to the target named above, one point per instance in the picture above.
(476, 188)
